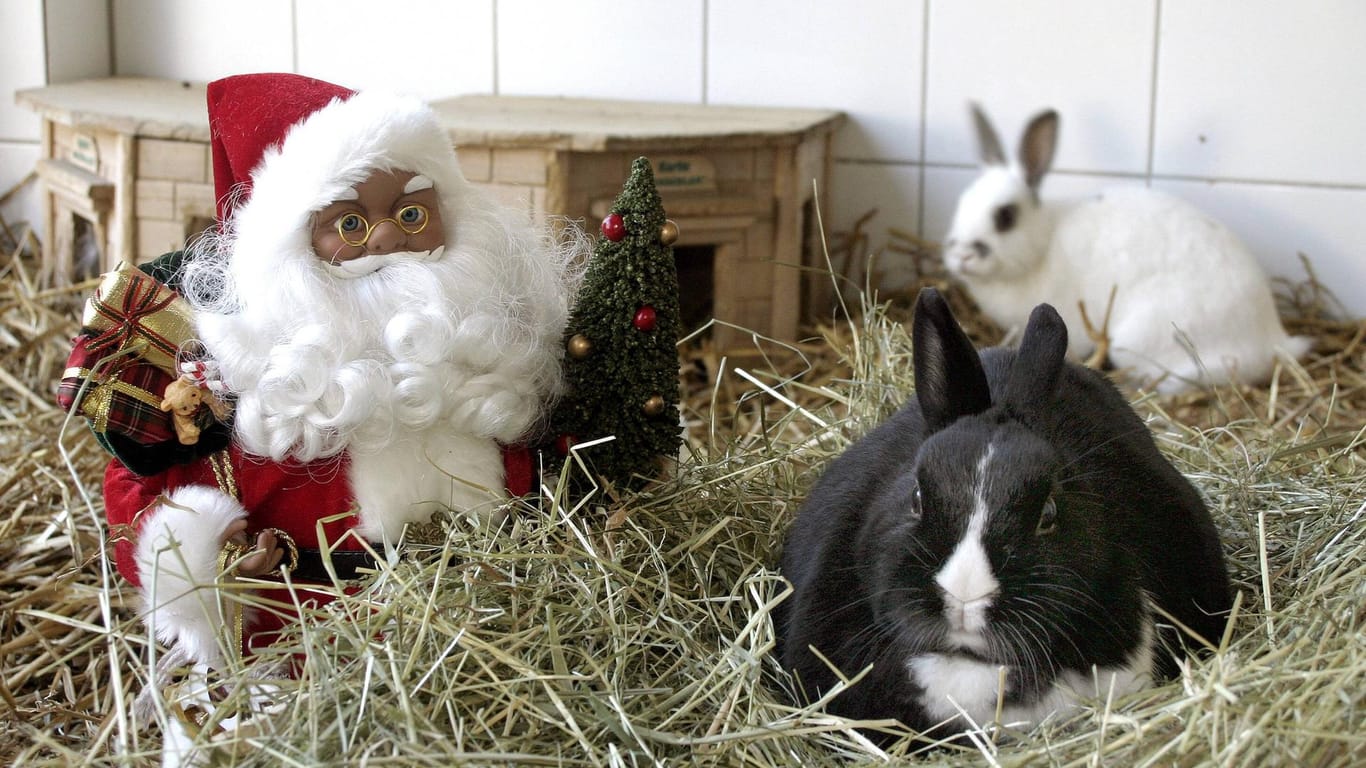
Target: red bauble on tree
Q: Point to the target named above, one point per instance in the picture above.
(621, 343)
(646, 319)
(614, 227)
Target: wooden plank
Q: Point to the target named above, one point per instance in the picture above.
(141, 106)
(122, 232)
(597, 125)
(155, 199)
(172, 160)
(62, 174)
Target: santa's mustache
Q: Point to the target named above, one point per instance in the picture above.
(373, 262)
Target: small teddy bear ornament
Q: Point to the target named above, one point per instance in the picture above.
(184, 400)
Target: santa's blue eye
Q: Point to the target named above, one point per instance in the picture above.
(411, 216)
(351, 223)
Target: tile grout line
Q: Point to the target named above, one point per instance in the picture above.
(924, 117)
(494, 47)
(294, 35)
(1152, 91)
(706, 32)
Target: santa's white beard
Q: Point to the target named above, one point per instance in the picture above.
(322, 364)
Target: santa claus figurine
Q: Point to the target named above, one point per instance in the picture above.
(386, 336)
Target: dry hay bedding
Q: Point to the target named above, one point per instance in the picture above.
(635, 630)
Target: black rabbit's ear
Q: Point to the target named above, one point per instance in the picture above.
(949, 380)
(1034, 377)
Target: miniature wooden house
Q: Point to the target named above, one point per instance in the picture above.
(738, 182)
(124, 167)
(126, 162)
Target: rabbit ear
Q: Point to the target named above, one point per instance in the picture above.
(988, 143)
(1034, 376)
(949, 380)
(1037, 145)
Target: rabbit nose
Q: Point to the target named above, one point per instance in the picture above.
(967, 619)
(982, 249)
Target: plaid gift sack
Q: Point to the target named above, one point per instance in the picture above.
(123, 396)
(126, 355)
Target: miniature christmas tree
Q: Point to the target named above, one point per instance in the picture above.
(621, 361)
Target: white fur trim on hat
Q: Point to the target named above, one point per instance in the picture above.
(324, 156)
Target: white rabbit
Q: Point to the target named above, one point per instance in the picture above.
(1177, 275)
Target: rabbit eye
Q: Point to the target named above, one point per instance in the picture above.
(917, 504)
(1048, 518)
(1005, 217)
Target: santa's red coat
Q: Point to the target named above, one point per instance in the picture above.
(288, 495)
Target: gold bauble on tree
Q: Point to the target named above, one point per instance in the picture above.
(668, 233)
(654, 406)
(579, 346)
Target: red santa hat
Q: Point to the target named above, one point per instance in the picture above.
(248, 114)
(288, 145)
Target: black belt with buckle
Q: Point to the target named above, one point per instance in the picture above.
(348, 564)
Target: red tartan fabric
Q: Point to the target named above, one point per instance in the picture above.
(126, 408)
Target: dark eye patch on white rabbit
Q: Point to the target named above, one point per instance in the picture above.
(1005, 217)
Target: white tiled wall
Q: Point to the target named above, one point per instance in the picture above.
(860, 56)
(449, 46)
(595, 49)
(1092, 60)
(21, 66)
(1252, 109)
(207, 39)
(1263, 90)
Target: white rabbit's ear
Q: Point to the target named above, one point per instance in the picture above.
(1037, 145)
(949, 380)
(1034, 376)
(988, 143)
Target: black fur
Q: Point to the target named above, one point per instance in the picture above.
(862, 553)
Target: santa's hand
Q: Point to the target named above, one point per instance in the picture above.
(262, 560)
(203, 374)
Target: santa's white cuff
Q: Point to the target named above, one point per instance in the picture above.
(177, 557)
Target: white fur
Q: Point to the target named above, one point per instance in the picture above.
(264, 700)
(177, 557)
(417, 360)
(951, 683)
(415, 477)
(966, 580)
(1177, 270)
(373, 262)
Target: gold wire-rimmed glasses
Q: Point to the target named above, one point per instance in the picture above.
(412, 219)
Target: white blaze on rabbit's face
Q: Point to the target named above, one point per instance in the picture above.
(966, 579)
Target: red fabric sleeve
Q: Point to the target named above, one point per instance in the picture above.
(519, 470)
(126, 495)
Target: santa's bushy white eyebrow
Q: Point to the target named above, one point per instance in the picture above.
(417, 184)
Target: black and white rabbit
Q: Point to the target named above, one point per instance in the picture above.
(1017, 516)
(1174, 270)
